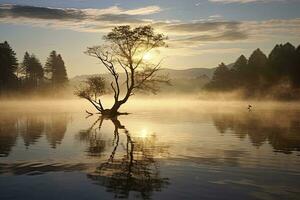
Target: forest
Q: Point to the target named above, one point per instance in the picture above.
(276, 75)
(30, 77)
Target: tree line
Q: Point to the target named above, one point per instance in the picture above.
(277, 73)
(30, 76)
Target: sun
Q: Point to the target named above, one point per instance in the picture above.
(144, 133)
(148, 56)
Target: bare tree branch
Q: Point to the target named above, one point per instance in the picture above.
(125, 47)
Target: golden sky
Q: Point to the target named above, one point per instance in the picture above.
(201, 33)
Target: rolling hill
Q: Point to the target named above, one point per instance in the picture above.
(183, 81)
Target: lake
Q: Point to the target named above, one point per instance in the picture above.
(164, 149)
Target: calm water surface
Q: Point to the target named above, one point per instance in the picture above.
(163, 150)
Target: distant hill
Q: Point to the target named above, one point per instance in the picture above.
(183, 81)
(188, 73)
(173, 73)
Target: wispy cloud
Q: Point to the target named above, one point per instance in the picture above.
(224, 36)
(27, 13)
(93, 20)
(197, 32)
(249, 1)
(31, 12)
(199, 26)
(213, 29)
(100, 20)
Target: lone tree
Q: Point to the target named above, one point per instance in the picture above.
(124, 50)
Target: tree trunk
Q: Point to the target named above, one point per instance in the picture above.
(115, 108)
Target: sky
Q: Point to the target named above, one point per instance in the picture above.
(201, 33)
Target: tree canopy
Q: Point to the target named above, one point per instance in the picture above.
(32, 70)
(29, 75)
(261, 72)
(55, 70)
(222, 76)
(124, 50)
(8, 67)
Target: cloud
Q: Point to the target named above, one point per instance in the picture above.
(47, 13)
(199, 26)
(192, 33)
(197, 32)
(15, 11)
(283, 28)
(248, 1)
(91, 20)
(144, 11)
(215, 16)
(225, 36)
(100, 20)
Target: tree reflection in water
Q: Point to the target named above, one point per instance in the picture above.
(136, 171)
(92, 135)
(8, 134)
(281, 132)
(56, 129)
(30, 127)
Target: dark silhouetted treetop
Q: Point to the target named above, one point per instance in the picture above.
(29, 75)
(280, 69)
(297, 68)
(32, 67)
(60, 74)
(36, 68)
(8, 66)
(32, 72)
(222, 78)
(257, 64)
(50, 64)
(282, 62)
(24, 68)
(257, 59)
(55, 69)
(240, 64)
(239, 71)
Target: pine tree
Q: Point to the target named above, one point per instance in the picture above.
(296, 70)
(282, 62)
(8, 67)
(257, 59)
(240, 64)
(36, 72)
(25, 65)
(56, 70)
(51, 65)
(275, 71)
(32, 70)
(256, 68)
(239, 71)
(60, 72)
(222, 78)
(259, 73)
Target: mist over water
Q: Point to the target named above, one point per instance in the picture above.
(166, 148)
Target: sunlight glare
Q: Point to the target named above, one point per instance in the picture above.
(144, 133)
(148, 56)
